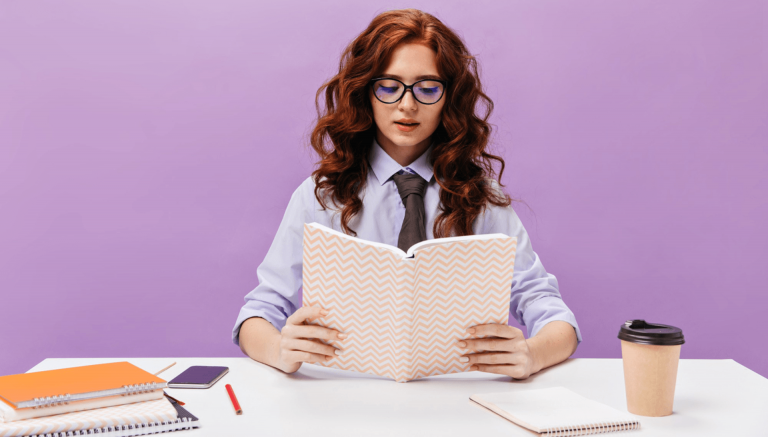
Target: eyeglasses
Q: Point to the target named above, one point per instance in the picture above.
(427, 91)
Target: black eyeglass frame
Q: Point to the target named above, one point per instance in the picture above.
(409, 87)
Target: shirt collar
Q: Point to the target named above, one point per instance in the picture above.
(384, 166)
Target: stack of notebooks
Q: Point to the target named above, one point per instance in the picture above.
(117, 399)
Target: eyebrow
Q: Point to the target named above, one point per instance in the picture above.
(426, 76)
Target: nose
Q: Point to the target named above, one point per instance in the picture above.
(408, 102)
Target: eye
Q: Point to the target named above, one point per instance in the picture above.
(387, 89)
(428, 90)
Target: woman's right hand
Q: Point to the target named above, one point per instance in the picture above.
(301, 343)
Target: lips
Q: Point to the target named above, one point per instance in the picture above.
(407, 122)
(406, 128)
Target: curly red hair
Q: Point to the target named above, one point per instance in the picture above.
(345, 128)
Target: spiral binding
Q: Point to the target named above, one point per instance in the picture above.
(140, 388)
(51, 401)
(129, 390)
(128, 430)
(591, 428)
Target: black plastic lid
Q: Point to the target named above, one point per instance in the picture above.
(641, 332)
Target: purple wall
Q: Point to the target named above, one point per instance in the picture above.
(148, 150)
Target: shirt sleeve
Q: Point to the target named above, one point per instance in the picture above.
(535, 297)
(277, 295)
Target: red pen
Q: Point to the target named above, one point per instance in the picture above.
(233, 398)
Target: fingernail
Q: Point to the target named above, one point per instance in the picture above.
(464, 359)
(337, 351)
(327, 358)
(324, 312)
(342, 336)
(471, 330)
(462, 344)
(473, 368)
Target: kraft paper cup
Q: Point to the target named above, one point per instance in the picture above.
(650, 353)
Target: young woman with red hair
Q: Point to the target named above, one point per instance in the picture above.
(400, 126)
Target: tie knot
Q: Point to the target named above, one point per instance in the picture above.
(409, 183)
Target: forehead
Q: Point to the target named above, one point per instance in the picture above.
(411, 62)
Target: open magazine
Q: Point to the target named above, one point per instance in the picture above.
(406, 311)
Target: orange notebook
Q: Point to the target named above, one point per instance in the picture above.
(56, 387)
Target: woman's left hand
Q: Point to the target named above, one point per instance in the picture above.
(506, 352)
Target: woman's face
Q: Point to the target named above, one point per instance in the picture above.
(408, 63)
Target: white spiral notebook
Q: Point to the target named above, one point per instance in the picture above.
(556, 411)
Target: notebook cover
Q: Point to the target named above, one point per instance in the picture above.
(405, 316)
(184, 415)
(79, 382)
(157, 411)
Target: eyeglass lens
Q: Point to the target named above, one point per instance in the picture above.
(425, 91)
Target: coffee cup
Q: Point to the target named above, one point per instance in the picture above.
(650, 353)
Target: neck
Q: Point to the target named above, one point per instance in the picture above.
(403, 155)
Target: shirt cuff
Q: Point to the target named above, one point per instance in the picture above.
(548, 309)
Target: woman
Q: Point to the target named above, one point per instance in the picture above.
(400, 123)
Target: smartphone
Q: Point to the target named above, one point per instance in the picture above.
(198, 377)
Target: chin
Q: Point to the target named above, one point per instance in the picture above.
(407, 143)
(405, 140)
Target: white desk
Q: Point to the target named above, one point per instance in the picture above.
(713, 398)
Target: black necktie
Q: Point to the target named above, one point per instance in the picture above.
(411, 188)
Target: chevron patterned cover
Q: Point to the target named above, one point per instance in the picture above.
(156, 411)
(404, 316)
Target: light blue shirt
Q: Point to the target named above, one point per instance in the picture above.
(534, 299)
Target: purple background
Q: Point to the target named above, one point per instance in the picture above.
(148, 151)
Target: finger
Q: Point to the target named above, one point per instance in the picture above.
(305, 357)
(314, 331)
(487, 344)
(496, 330)
(314, 346)
(490, 368)
(309, 312)
(517, 372)
(490, 358)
